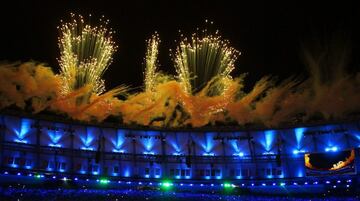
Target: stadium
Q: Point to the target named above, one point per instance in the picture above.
(310, 159)
(200, 128)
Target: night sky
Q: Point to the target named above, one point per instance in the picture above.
(268, 34)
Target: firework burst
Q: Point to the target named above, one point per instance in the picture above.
(151, 62)
(85, 53)
(201, 60)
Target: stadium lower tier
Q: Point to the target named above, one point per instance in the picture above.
(318, 157)
(141, 195)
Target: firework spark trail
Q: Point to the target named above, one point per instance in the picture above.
(151, 62)
(202, 59)
(85, 54)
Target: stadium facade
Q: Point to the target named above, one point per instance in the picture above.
(246, 157)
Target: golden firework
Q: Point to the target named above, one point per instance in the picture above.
(151, 62)
(201, 60)
(85, 53)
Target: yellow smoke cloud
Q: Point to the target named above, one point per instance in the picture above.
(35, 87)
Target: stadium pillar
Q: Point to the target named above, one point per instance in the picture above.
(163, 155)
(224, 166)
(134, 155)
(38, 138)
(71, 150)
(315, 142)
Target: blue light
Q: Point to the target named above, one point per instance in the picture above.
(234, 144)
(148, 153)
(328, 182)
(21, 141)
(175, 144)
(299, 134)
(177, 154)
(28, 167)
(282, 184)
(305, 183)
(333, 149)
(18, 174)
(87, 148)
(268, 153)
(24, 130)
(119, 140)
(54, 177)
(87, 140)
(14, 165)
(55, 136)
(118, 151)
(54, 145)
(297, 151)
(208, 154)
(127, 172)
(263, 184)
(209, 142)
(76, 179)
(274, 184)
(148, 143)
(95, 172)
(268, 140)
(239, 154)
(300, 172)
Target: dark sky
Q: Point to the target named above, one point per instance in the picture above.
(268, 34)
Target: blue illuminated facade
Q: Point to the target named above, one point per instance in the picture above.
(241, 156)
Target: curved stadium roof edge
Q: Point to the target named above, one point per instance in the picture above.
(221, 128)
